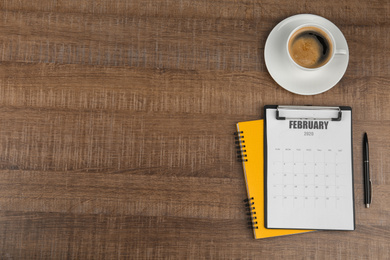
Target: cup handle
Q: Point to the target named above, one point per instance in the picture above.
(340, 52)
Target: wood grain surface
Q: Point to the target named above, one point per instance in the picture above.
(117, 121)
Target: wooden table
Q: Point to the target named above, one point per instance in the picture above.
(117, 121)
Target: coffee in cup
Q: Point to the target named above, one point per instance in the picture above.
(310, 47)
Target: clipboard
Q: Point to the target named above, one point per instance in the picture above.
(308, 168)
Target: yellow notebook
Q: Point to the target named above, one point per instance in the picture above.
(250, 143)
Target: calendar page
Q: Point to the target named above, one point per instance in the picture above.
(309, 177)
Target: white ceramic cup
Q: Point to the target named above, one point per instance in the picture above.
(324, 32)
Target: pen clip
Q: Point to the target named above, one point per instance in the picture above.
(370, 192)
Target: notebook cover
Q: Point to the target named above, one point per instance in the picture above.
(250, 141)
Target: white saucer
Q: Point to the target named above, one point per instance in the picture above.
(291, 77)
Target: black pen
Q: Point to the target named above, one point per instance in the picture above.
(366, 172)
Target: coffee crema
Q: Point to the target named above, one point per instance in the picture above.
(310, 47)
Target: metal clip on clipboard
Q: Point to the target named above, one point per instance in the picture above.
(280, 109)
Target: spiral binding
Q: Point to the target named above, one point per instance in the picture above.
(252, 219)
(240, 142)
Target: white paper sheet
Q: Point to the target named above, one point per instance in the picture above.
(309, 171)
